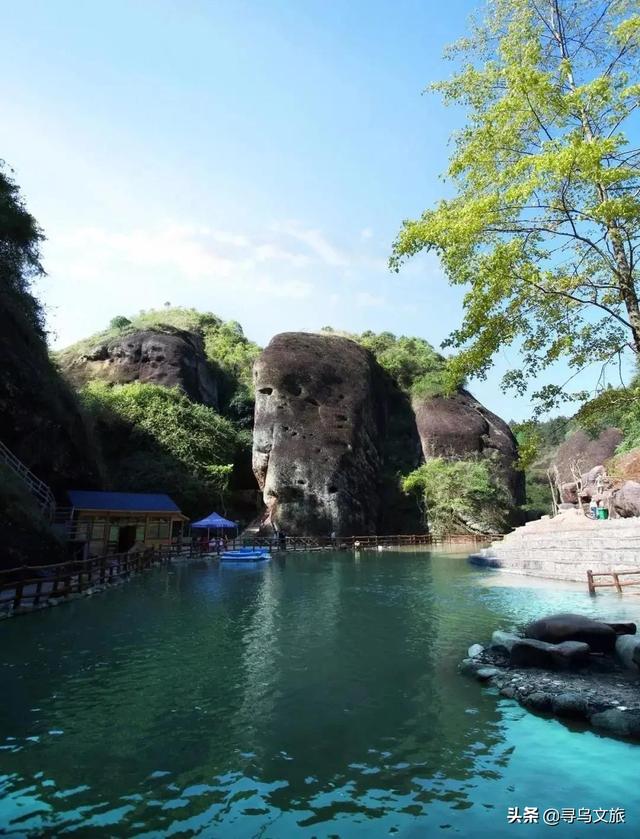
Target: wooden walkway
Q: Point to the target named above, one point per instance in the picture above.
(616, 582)
(30, 586)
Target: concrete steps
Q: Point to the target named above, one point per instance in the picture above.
(569, 545)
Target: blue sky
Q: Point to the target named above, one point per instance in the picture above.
(254, 159)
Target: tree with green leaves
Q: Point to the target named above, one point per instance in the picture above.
(460, 496)
(544, 223)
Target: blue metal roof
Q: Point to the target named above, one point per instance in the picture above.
(142, 502)
(214, 520)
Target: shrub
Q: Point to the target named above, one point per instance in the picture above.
(414, 364)
(155, 438)
(119, 322)
(460, 496)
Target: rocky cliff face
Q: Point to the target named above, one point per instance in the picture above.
(332, 433)
(317, 437)
(40, 419)
(170, 357)
(459, 425)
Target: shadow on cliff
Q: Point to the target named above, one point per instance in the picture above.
(401, 454)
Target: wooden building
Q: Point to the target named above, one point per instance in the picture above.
(115, 522)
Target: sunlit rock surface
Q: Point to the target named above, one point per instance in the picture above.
(170, 357)
(460, 426)
(317, 449)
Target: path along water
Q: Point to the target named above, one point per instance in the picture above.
(317, 695)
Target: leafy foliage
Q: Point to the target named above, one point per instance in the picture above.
(544, 225)
(460, 496)
(414, 364)
(20, 239)
(119, 322)
(155, 439)
(416, 367)
(537, 444)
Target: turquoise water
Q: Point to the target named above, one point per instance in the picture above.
(316, 696)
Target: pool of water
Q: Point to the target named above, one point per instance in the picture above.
(315, 696)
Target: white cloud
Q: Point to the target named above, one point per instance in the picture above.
(316, 242)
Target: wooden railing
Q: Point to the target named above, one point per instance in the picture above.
(616, 583)
(41, 492)
(310, 543)
(33, 584)
(30, 585)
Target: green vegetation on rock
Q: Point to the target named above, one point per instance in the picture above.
(154, 438)
(415, 366)
(40, 419)
(229, 352)
(460, 496)
(413, 363)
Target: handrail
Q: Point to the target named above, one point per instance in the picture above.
(76, 576)
(36, 487)
(615, 575)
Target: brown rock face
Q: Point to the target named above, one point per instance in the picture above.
(459, 425)
(171, 357)
(626, 500)
(317, 437)
(555, 629)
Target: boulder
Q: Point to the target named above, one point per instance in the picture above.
(538, 700)
(569, 704)
(626, 500)
(475, 650)
(162, 356)
(460, 426)
(318, 435)
(481, 672)
(565, 656)
(617, 722)
(555, 629)
(505, 640)
(623, 628)
(628, 651)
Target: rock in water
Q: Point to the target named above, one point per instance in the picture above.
(164, 356)
(567, 627)
(318, 435)
(505, 640)
(459, 425)
(568, 655)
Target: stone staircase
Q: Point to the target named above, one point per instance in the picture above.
(40, 491)
(568, 546)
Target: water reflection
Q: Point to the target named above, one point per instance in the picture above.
(317, 695)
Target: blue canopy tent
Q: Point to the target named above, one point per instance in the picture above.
(214, 522)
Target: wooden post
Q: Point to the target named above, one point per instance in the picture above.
(592, 588)
(18, 595)
(616, 580)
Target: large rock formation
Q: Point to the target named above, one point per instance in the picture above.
(459, 426)
(167, 356)
(333, 432)
(317, 437)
